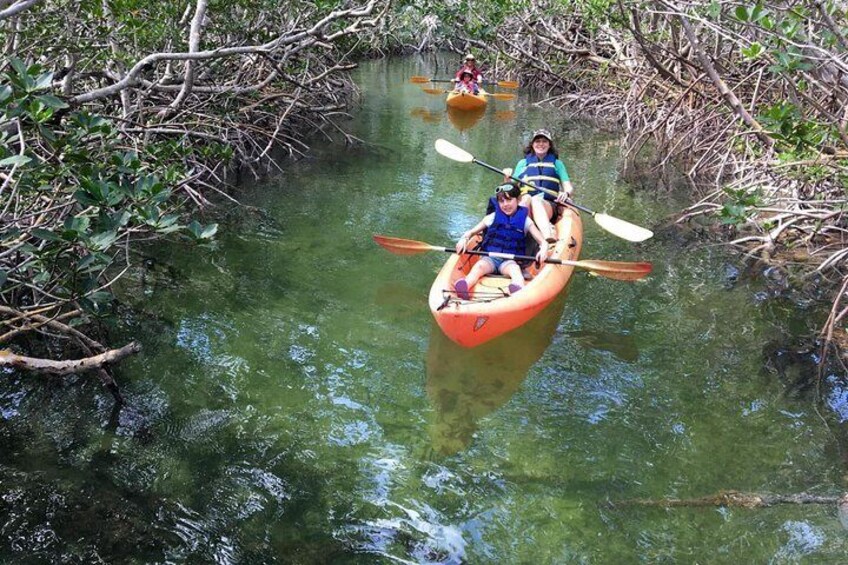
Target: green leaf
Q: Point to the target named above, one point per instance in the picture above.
(19, 67)
(84, 198)
(752, 52)
(9, 234)
(77, 223)
(15, 160)
(195, 229)
(97, 304)
(44, 80)
(51, 101)
(5, 92)
(209, 231)
(741, 13)
(46, 235)
(93, 262)
(102, 241)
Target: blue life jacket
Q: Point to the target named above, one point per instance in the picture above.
(542, 173)
(506, 234)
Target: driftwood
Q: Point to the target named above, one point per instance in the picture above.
(37, 365)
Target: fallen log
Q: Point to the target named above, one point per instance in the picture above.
(37, 365)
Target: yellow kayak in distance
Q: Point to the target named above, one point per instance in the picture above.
(467, 100)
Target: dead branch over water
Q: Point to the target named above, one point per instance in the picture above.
(163, 95)
(749, 101)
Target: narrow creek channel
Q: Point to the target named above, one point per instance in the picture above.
(295, 402)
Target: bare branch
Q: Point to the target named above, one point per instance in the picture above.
(36, 365)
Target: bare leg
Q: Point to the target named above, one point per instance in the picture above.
(542, 212)
(513, 271)
(463, 286)
(480, 269)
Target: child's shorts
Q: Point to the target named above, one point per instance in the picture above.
(497, 262)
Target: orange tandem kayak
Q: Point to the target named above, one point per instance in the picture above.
(491, 312)
(466, 100)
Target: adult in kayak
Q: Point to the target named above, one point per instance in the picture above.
(506, 228)
(542, 168)
(469, 66)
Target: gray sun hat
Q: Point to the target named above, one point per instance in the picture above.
(542, 133)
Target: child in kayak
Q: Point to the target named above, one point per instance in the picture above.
(506, 228)
(467, 84)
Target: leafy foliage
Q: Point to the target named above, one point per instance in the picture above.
(103, 195)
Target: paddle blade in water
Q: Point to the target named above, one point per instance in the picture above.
(418, 80)
(624, 230)
(451, 151)
(400, 246)
(618, 270)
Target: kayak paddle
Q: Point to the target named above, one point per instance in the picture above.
(501, 83)
(616, 226)
(495, 95)
(618, 270)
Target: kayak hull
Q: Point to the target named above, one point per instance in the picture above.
(466, 100)
(490, 312)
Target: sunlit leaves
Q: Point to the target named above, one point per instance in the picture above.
(15, 160)
(738, 207)
(200, 232)
(788, 125)
(753, 51)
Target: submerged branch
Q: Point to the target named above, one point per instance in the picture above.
(732, 498)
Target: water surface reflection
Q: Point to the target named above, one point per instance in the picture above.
(464, 385)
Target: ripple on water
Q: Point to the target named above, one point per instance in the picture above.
(421, 534)
(837, 399)
(804, 539)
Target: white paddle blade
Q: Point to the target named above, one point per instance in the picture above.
(451, 151)
(624, 230)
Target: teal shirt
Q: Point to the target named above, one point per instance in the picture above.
(559, 166)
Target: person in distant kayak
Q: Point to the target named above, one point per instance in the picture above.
(467, 83)
(469, 66)
(542, 168)
(505, 231)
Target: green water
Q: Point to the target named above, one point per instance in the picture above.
(295, 403)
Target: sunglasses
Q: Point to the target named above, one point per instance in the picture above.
(505, 188)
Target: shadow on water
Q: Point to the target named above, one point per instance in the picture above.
(622, 346)
(464, 385)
